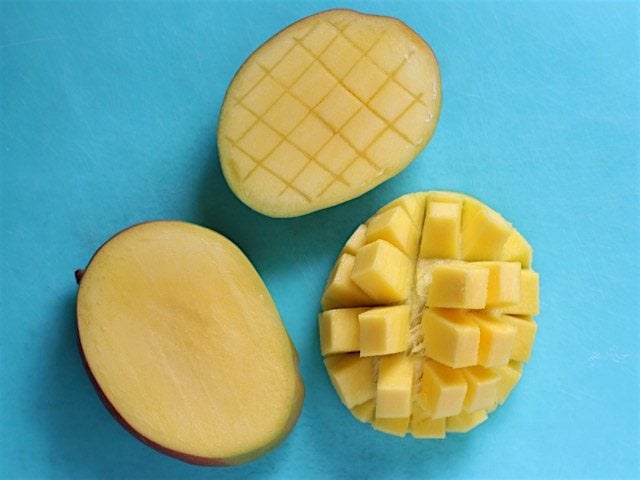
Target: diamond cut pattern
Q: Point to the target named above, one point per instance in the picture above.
(329, 99)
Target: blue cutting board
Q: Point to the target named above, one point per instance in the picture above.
(108, 118)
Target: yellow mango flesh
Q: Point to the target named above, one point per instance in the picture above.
(327, 109)
(394, 387)
(465, 421)
(482, 388)
(496, 340)
(185, 343)
(526, 329)
(451, 337)
(441, 230)
(383, 272)
(516, 249)
(504, 282)
(340, 330)
(383, 330)
(396, 227)
(352, 377)
(356, 240)
(443, 390)
(423, 426)
(448, 318)
(365, 411)
(341, 290)
(458, 286)
(484, 235)
(510, 375)
(529, 303)
(393, 426)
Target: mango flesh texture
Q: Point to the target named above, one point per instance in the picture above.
(327, 109)
(470, 300)
(185, 346)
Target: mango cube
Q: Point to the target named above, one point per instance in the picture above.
(383, 272)
(352, 377)
(423, 426)
(384, 330)
(458, 286)
(441, 230)
(365, 411)
(356, 240)
(395, 226)
(394, 426)
(451, 337)
(516, 249)
(484, 235)
(443, 390)
(340, 330)
(526, 329)
(413, 204)
(482, 388)
(465, 421)
(504, 282)
(529, 295)
(509, 377)
(470, 208)
(395, 385)
(496, 340)
(341, 291)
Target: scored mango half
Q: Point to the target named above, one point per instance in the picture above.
(326, 110)
(428, 315)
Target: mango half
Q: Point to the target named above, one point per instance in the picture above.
(428, 315)
(184, 344)
(327, 109)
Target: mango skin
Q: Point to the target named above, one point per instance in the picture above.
(187, 458)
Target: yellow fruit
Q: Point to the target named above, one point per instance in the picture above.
(185, 346)
(326, 110)
(444, 316)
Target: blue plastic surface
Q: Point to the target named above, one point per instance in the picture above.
(108, 117)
